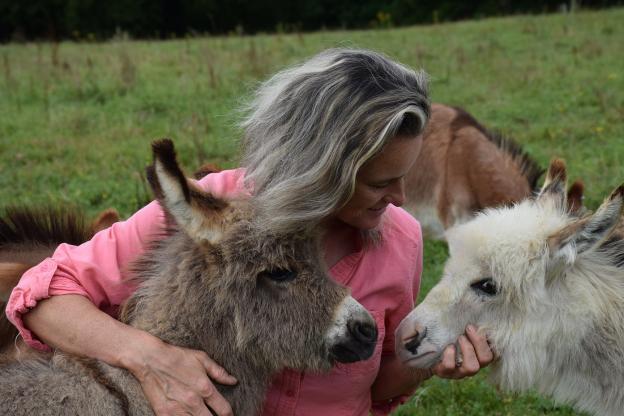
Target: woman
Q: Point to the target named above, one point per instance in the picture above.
(327, 144)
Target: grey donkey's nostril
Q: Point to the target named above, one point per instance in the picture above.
(363, 332)
(413, 344)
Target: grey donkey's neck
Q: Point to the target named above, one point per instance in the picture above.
(181, 308)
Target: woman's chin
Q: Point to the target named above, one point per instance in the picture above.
(372, 220)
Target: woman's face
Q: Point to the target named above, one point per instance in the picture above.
(380, 182)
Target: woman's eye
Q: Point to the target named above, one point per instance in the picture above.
(379, 185)
(485, 287)
(278, 275)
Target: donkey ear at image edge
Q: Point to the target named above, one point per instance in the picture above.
(588, 233)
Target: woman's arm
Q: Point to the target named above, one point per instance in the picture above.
(61, 302)
(173, 379)
(395, 379)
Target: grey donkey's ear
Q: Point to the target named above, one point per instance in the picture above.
(590, 232)
(554, 188)
(196, 212)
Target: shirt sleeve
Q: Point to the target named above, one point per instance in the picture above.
(98, 269)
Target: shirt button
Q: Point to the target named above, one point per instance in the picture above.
(290, 393)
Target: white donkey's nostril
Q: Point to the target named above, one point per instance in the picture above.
(413, 344)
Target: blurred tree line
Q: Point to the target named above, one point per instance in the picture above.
(97, 19)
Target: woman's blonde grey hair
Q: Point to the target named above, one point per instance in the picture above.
(311, 127)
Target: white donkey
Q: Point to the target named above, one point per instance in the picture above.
(546, 286)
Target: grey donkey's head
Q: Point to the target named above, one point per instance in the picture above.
(274, 290)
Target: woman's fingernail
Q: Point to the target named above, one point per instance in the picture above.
(471, 328)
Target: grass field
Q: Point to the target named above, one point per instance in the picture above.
(76, 119)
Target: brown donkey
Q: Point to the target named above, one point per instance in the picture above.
(463, 168)
(29, 235)
(267, 296)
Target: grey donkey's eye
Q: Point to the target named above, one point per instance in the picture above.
(278, 275)
(485, 287)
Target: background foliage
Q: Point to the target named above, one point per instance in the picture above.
(90, 19)
(76, 118)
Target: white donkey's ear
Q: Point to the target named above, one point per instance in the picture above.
(554, 189)
(196, 212)
(588, 233)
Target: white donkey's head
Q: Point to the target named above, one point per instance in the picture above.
(522, 274)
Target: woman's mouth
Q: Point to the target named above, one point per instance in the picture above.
(378, 210)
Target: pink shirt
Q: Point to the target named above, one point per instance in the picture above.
(385, 279)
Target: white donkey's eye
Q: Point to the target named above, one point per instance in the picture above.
(485, 287)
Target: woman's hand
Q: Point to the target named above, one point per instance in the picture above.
(175, 380)
(476, 354)
(178, 380)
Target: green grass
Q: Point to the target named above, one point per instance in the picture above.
(474, 397)
(76, 119)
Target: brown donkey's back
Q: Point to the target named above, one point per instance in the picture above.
(216, 272)
(463, 168)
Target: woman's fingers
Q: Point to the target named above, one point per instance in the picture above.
(178, 380)
(214, 370)
(446, 367)
(485, 355)
(212, 397)
(475, 353)
(470, 364)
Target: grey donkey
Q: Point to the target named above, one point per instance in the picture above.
(546, 284)
(268, 298)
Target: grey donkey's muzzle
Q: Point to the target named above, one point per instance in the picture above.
(353, 336)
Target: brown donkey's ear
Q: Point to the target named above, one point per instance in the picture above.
(206, 169)
(105, 219)
(196, 212)
(554, 188)
(588, 233)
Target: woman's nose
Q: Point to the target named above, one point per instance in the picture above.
(396, 194)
